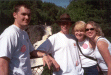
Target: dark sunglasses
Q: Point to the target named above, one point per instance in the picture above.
(66, 23)
(89, 29)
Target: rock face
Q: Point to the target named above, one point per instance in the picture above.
(38, 34)
(48, 32)
(35, 32)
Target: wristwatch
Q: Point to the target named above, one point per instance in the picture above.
(45, 54)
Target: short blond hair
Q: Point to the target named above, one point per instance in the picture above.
(79, 25)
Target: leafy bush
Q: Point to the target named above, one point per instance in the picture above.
(46, 71)
(109, 38)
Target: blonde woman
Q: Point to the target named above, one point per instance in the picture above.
(87, 48)
(102, 49)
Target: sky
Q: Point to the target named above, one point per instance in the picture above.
(63, 3)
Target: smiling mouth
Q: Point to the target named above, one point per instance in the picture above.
(89, 34)
(65, 28)
(26, 21)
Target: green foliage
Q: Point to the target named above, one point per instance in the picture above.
(77, 11)
(55, 28)
(95, 10)
(109, 38)
(46, 71)
(41, 12)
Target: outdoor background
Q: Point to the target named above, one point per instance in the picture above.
(48, 12)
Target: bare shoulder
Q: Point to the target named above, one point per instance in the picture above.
(102, 45)
(102, 42)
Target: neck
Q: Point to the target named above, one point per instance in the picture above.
(20, 26)
(64, 32)
(80, 40)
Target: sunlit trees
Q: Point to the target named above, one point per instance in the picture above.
(96, 10)
(44, 12)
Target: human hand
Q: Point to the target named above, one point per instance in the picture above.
(51, 62)
(46, 60)
(55, 65)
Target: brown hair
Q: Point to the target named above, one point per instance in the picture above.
(96, 27)
(18, 5)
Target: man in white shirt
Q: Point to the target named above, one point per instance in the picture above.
(63, 49)
(15, 46)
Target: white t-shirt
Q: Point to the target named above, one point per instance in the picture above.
(64, 50)
(86, 50)
(100, 59)
(15, 44)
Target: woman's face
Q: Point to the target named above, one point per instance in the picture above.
(80, 34)
(90, 31)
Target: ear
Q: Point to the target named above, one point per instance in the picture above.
(15, 15)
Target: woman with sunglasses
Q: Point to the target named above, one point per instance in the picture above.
(102, 49)
(86, 46)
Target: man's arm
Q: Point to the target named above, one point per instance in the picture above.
(4, 66)
(47, 59)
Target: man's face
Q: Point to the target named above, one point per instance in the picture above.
(65, 27)
(22, 17)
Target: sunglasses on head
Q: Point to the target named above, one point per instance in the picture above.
(89, 29)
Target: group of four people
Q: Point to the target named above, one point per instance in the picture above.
(66, 59)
